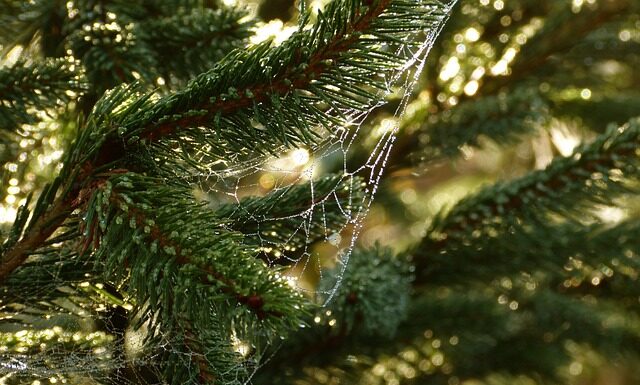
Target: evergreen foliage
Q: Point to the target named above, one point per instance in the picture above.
(43, 86)
(121, 264)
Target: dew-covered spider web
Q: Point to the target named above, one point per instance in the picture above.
(319, 196)
(334, 175)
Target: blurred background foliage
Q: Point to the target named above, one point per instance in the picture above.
(529, 281)
(509, 86)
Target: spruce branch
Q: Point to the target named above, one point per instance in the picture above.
(546, 323)
(595, 174)
(42, 86)
(172, 232)
(373, 295)
(184, 270)
(107, 46)
(279, 96)
(189, 43)
(598, 260)
(543, 322)
(43, 274)
(20, 22)
(40, 352)
(502, 118)
(574, 260)
(198, 337)
(601, 109)
(437, 329)
(67, 192)
(73, 186)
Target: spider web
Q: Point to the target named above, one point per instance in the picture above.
(305, 166)
(90, 341)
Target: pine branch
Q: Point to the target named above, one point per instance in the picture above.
(543, 322)
(187, 44)
(503, 118)
(183, 267)
(572, 259)
(107, 46)
(40, 85)
(595, 174)
(172, 232)
(282, 94)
